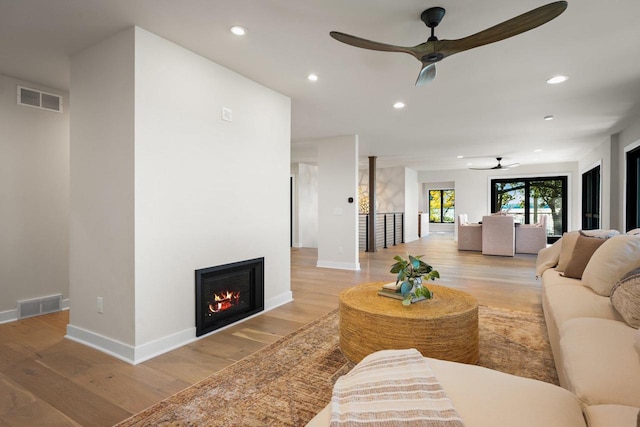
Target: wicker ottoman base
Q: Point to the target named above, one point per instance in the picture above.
(445, 327)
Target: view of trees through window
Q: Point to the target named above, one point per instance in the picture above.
(442, 206)
(530, 198)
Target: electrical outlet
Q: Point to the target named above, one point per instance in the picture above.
(100, 305)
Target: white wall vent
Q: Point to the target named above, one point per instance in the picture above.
(38, 99)
(37, 306)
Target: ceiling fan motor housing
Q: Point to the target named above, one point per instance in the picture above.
(432, 16)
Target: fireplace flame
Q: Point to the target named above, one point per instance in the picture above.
(224, 301)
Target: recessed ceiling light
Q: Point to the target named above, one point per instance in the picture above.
(549, 117)
(238, 30)
(469, 164)
(460, 157)
(537, 150)
(313, 77)
(557, 79)
(398, 105)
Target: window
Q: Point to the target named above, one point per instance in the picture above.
(529, 198)
(442, 206)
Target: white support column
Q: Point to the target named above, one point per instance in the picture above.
(337, 216)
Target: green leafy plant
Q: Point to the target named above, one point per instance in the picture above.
(411, 273)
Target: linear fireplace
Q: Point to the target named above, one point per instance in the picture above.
(228, 293)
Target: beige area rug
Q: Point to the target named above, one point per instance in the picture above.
(288, 382)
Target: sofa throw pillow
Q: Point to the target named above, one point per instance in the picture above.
(582, 252)
(625, 297)
(612, 260)
(568, 245)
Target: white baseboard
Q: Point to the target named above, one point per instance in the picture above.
(338, 265)
(277, 301)
(9, 316)
(138, 354)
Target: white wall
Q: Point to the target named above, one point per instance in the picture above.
(337, 218)
(197, 191)
(600, 156)
(306, 205)
(396, 191)
(34, 199)
(102, 191)
(627, 139)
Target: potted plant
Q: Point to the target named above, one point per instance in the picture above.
(411, 274)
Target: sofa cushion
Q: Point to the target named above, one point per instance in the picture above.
(625, 297)
(599, 360)
(611, 415)
(582, 252)
(613, 259)
(484, 397)
(563, 303)
(634, 231)
(553, 277)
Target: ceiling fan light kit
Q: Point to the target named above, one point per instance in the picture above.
(434, 50)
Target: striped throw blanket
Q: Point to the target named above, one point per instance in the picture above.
(392, 388)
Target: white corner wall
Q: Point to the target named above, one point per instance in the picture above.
(102, 195)
(600, 156)
(34, 195)
(626, 140)
(198, 191)
(337, 218)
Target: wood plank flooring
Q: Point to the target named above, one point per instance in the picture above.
(47, 380)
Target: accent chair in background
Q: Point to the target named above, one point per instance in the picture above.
(498, 235)
(530, 238)
(469, 235)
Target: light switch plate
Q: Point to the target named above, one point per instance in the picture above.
(227, 114)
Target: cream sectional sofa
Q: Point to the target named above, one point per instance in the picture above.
(597, 354)
(591, 339)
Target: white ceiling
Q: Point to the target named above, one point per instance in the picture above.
(485, 102)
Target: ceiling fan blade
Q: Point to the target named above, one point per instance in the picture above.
(512, 27)
(427, 74)
(369, 44)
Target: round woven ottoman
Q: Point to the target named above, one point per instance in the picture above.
(445, 327)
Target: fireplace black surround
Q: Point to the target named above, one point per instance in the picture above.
(228, 293)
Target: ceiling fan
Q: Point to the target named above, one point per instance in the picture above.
(498, 166)
(434, 50)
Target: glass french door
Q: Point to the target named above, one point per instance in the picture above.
(528, 199)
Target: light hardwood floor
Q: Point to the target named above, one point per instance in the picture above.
(48, 380)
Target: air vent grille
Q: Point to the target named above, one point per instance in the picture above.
(38, 99)
(37, 306)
